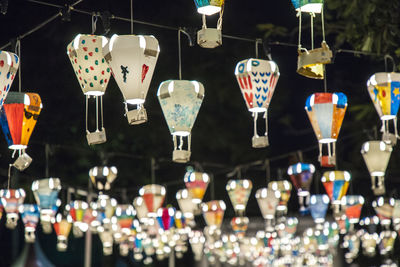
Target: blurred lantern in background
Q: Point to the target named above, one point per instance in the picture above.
(30, 218)
(196, 184)
(283, 189)
(318, 208)
(336, 184)
(352, 207)
(239, 193)
(301, 175)
(257, 80)
(210, 37)
(77, 210)
(153, 196)
(106, 237)
(376, 155)
(383, 88)
(11, 200)
(102, 177)
(186, 204)
(18, 119)
(46, 192)
(196, 240)
(239, 226)
(132, 59)
(125, 214)
(93, 74)
(386, 244)
(166, 217)
(384, 209)
(105, 208)
(62, 227)
(369, 242)
(213, 212)
(326, 112)
(141, 209)
(180, 102)
(9, 63)
(268, 201)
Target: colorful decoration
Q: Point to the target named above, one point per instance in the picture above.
(336, 184)
(326, 112)
(166, 218)
(45, 192)
(257, 80)
(352, 207)
(383, 88)
(9, 63)
(62, 227)
(180, 102)
(106, 237)
(77, 211)
(318, 207)
(239, 193)
(384, 209)
(283, 189)
(301, 175)
(132, 59)
(186, 204)
(268, 201)
(11, 200)
(209, 7)
(102, 177)
(376, 155)
(153, 196)
(239, 226)
(196, 240)
(93, 74)
(213, 212)
(141, 209)
(210, 37)
(30, 218)
(196, 184)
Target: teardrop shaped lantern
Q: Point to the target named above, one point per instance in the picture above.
(18, 119)
(318, 208)
(196, 240)
(257, 80)
(186, 204)
(239, 226)
(336, 184)
(384, 209)
(326, 112)
(102, 177)
(283, 189)
(9, 63)
(268, 201)
(386, 244)
(180, 102)
(11, 200)
(62, 227)
(30, 218)
(141, 209)
(213, 212)
(125, 215)
(78, 210)
(132, 59)
(301, 175)
(153, 196)
(239, 193)
(166, 218)
(93, 74)
(352, 206)
(376, 155)
(210, 37)
(46, 192)
(384, 90)
(196, 184)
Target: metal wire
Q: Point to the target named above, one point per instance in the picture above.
(131, 16)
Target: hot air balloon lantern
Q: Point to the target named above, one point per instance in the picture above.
(336, 184)
(186, 204)
(106, 237)
(30, 218)
(125, 214)
(18, 118)
(396, 212)
(132, 59)
(384, 90)
(386, 244)
(166, 218)
(311, 63)
(141, 209)
(93, 74)
(9, 63)
(257, 80)
(239, 193)
(77, 210)
(376, 155)
(213, 212)
(181, 224)
(11, 200)
(283, 190)
(153, 196)
(384, 209)
(196, 184)
(326, 112)
(102, 177)
(62, 226)
(239, 226)
(180, 102)
(319, 206)
(46, 192)
(210, 37)
(105, 207)
(301, 175)
(268, 201)
(352, 208)
(197, 240)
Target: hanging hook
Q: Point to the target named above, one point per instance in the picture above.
(386, 57)
(94, 22)
(18, 52)
(257, 42)
(181, 30)
(131, 16)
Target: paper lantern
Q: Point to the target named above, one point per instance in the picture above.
(384, 209)
(125, 215)
(46, 192)
(283, 189)
(93, 74)
(369, 242)
(352, 242)
(153, 196)
(239, 193)
(213, 212)
(77, 210)
(106, 237)
(196, 184)
(180, 102)
(386, 244)
(141, 209)
(9, 63)
(352, 206)
(396, 212)
(30, 218)
(336, 184)
(181, 224)
(383, 88)
(318, 207)
(132, 59)
(11, 200)
(102, 177)
(308, 6)
(166, 217)
(196, 240)
(18, 119)
(239, 226)
(376, 155)
(186, 204)
(301, 175)
(105, 208)
(210, 37)
(62, 227)
(209, 7)
(257, 80)
(268, 201)
(326, 112)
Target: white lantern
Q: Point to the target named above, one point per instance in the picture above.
(9, 63)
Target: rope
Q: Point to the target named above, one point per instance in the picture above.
(221, 13)
(131, 16)
(312, 30)
(97, 113)
(258, 41)
(323, 23)
(203, 17)
(101, 112)
(299, 15)
(179, 54)
(18, 52)
(255, 116)
(9, 176)
(86, 113)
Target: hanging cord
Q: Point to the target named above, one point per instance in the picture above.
(299, 43)
(97, 114)
(255, 116)
(258, 41)
(179, 54)
(18, 52)
(94, 22)
(203, 17)
(323, 23)
(386, 57)
(312, 15)
(86, 100)
(266, 122)
(131, 16)
(221, 13)
(101, 112)
(9, 176)
(325, 79)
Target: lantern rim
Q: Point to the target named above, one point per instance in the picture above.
(327, 140)
(208, 10)
(311, 8)
(258, 109)
(94, 93)
(135, 101)
(17, 146)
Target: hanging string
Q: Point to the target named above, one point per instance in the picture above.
(94, 22)
(86, 100)
(323, 24)
(203, 17)
(9, 176)
(101, 112)
(386, 57)
(179, 54)
(221, 13)
(131, 16)
(299, 15)
(325, 82)
(258, 41)
(97, 113)
(18, 52)
(312, 30)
